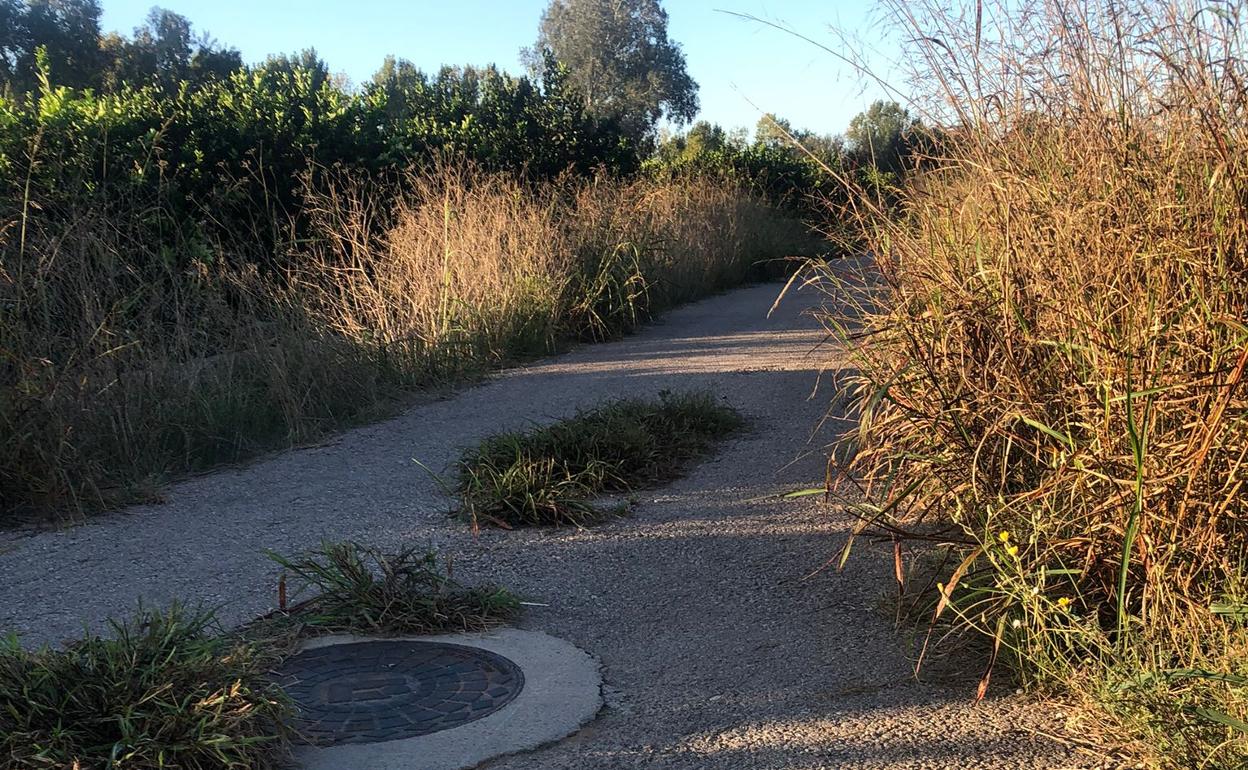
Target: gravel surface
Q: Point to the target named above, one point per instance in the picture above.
(718, 651)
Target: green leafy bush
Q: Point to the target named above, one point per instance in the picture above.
(234, 155)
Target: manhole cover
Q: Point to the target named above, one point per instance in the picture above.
(369, 692)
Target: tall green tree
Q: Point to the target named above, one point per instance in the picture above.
(772, 131)
(881, 136)
(69, 30)
(12, 40)
(618, 55)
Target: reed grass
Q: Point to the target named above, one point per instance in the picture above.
(1051, 353)
(124, 363)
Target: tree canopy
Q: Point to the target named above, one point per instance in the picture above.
(618, 55)
(164, 51)
(880, 135)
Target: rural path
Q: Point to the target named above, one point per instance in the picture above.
(717, 650)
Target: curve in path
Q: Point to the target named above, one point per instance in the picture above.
(717, 651)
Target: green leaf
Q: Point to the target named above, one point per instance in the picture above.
(803, 493)
(1212, 715)
(1062, 437)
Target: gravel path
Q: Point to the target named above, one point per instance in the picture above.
(718, 653)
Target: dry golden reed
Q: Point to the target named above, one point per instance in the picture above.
(118, 368)
(1052, 351)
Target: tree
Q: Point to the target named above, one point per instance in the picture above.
(704, 137)
(161, 50)
(165, 52)
(779, 135)
(619, 57)
(307, 62)
(12, 41)
(396, 85)
(212, 61)
(880, 136)
(772, 131)
(69, 30)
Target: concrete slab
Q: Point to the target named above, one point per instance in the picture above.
(562, 691)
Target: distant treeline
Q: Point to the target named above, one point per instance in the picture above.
(175, 126)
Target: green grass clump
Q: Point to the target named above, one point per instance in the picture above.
(362, 590)
(167, 690)
(550, 474)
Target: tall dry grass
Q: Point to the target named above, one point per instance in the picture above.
(1052, 352)
(119, 369)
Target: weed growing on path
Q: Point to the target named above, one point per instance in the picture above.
(550, 474)
(172, 689)
(362, 590)
(167, 690)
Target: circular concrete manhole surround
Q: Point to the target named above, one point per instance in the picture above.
(560, 690)
(374, 691)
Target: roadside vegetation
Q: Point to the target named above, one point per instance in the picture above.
(553, 474)
(165, 689)
(362, 590)
(172, 688)
(201, 260)
(1051, 359)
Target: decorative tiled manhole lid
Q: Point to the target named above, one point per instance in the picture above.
(368, 692)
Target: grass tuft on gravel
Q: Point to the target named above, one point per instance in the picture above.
(172, 689)
(551, 474)
(362, 590)
(167, 690)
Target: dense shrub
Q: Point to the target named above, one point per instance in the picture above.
(234, 155)
(121, 364)
(783, 174)
(1053, 374)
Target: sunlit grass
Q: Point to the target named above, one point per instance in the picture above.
(166, 689)
(116, 374)
(348, 587)
(1051, 359)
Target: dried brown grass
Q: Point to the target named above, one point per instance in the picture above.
(119, 369)
(1052, 354)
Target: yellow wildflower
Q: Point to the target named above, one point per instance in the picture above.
(1004, 537)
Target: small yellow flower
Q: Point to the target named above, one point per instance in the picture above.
(1012, 550)
(1004, 537)
(1063, 602)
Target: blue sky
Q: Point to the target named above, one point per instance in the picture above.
(735, 62)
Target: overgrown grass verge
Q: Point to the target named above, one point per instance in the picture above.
(120, 366)
(166, 690)
(173, 689)
(363, 590)
(1053, 354)
(551, 474)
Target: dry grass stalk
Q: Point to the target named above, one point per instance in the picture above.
(118, 368)
(1054, 360)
